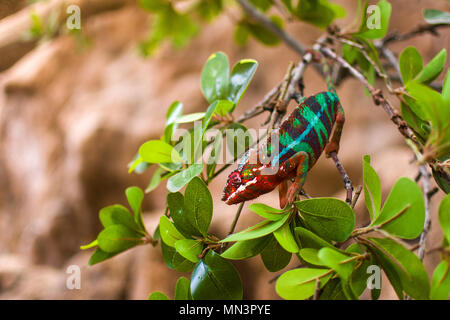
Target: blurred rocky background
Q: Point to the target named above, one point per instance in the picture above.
(73, 112)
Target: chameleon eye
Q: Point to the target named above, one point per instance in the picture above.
(235, 178)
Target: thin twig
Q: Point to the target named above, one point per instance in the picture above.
(427, 224)
(280, 33)
(261, 106)
(236, 218)
(356, 197)
(317, 290)
(421, 29)
(345, 178)
(267, 23)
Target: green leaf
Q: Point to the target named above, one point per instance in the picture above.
(158, 151)
(182, 290)
(135, 197)
(191, 117)
(320, 13)
(155, 180)
(418, 117)
(261, 33)
(286, 239)
(402, 266)
(432, 104)
(329, 218)
(117, 238)
(216, 105)
(136, 163)
(359, 277)
(174, 260)
(153, 5)
(310, 255)
(274, 256)
(444, 216)
(246, 248)
(224, 107)
(175, 110)
(404, 209)
(99, 256)
(441, 181)
(169, 233)
(179, 215)
(308, 239)
(215, 77)
(440, 285)
(446, 88)
(379, 27)
(190, 249)
(410, 63)
(333, 290)
(117, 215)
(432, 70)
(198, 202)
(300, 284)
(433, 16)
(179, 180)
(259, 230)
(339, 263)
(241, 75)
(158, 296)
(210, 9)
(372, 188)
(241, 34)
(266, 211)
(214, 278)
(263, 5)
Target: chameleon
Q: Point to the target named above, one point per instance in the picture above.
(302, 137)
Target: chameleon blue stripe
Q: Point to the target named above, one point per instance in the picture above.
(299, 139)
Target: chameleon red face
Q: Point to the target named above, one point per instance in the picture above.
(233, 183)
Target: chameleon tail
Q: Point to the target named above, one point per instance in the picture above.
(327, 73)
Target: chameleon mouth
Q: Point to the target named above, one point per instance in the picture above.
(233, 197)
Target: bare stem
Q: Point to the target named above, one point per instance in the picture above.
(356, 197)
(427, 224)
(345, 178)
(236, 218)
(267, 23)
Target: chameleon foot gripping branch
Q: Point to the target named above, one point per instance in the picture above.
(300, 139)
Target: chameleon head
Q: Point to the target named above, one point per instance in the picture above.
(234, 182)
(247, 183)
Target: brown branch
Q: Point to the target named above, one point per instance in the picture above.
(356, 197)
(427, 224)
(267, 23)
(262, 106)
(236, 218)
(317, 290)
(290, 41)
(345, 178)
(421, 29)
